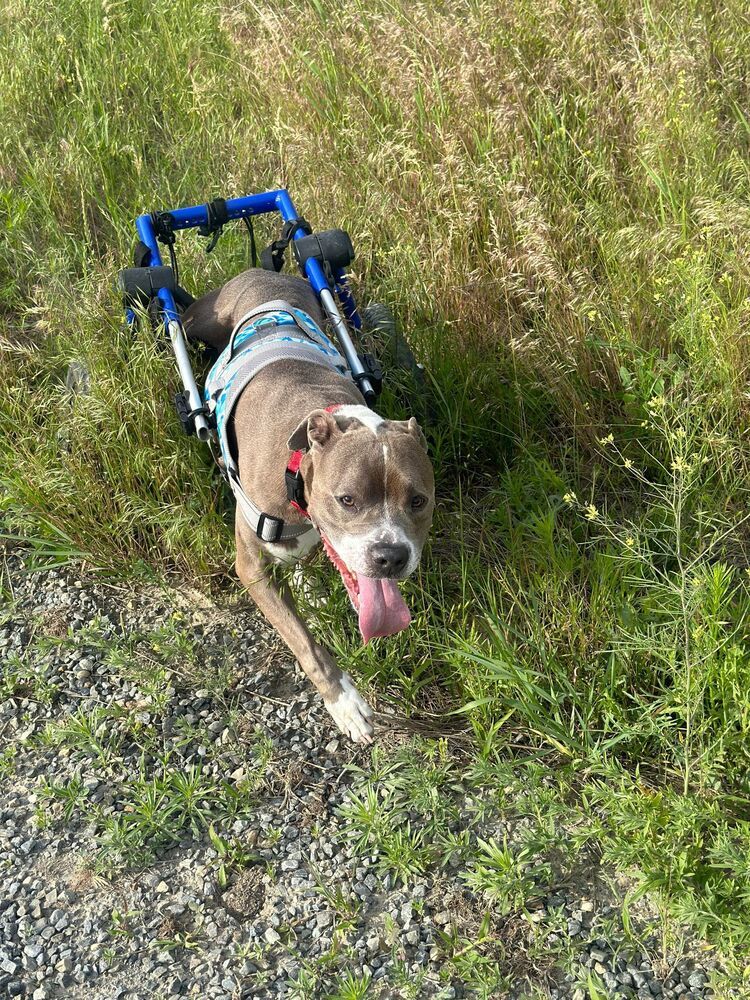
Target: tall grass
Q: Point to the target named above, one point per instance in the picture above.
(554, 198)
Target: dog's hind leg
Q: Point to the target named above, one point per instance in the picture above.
(206, 322)
(349, 710)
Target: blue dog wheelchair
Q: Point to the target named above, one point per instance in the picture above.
(322, 257)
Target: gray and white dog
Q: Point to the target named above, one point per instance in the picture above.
(368, 484)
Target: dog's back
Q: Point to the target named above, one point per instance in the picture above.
(212, 317)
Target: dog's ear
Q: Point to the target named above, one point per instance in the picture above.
(411, 426)
(417, 431)
(315, 431)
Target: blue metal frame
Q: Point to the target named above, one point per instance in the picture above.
(240, 208)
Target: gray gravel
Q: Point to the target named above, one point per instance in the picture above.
(172, 928)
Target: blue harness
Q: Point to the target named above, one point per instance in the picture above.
(275, 331)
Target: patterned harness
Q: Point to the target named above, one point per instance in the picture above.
(275, 331)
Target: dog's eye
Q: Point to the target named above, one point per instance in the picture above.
(346, 501)
(418, 502)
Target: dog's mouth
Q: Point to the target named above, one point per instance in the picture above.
(378, 602)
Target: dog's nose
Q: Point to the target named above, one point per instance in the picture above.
(388, 558)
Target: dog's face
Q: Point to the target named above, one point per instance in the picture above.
(370, 491)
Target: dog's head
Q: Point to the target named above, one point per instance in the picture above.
(370, 491)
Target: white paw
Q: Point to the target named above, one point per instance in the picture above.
(351, 713)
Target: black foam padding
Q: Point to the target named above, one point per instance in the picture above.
(141, 284)
(332, 246)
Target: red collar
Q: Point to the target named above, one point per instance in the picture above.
(295, 487)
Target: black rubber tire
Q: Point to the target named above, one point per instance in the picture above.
(383, 337)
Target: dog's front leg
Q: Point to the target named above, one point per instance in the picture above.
(350, 711)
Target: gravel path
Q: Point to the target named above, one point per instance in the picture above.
(238, 877)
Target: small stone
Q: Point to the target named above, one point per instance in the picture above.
(373, 943)
(271, 936)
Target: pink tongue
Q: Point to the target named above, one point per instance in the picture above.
(382, 610)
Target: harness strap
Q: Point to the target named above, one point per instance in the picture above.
(272, 258)
(295, 486)
(218, 217)
(275, 305)
(240, 361)
(265, 526)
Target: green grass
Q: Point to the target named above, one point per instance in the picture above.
(554, 198)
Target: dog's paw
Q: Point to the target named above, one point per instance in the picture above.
(351, 713)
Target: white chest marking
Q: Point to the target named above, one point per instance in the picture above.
(284, 554)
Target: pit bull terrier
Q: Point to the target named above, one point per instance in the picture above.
(368, 484)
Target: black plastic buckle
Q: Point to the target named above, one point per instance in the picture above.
(183, 412)
(186, 415)
(163, 224)
(261, 524)
(372, 371)
(295, 489)
(216, 212)
(272, 258)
